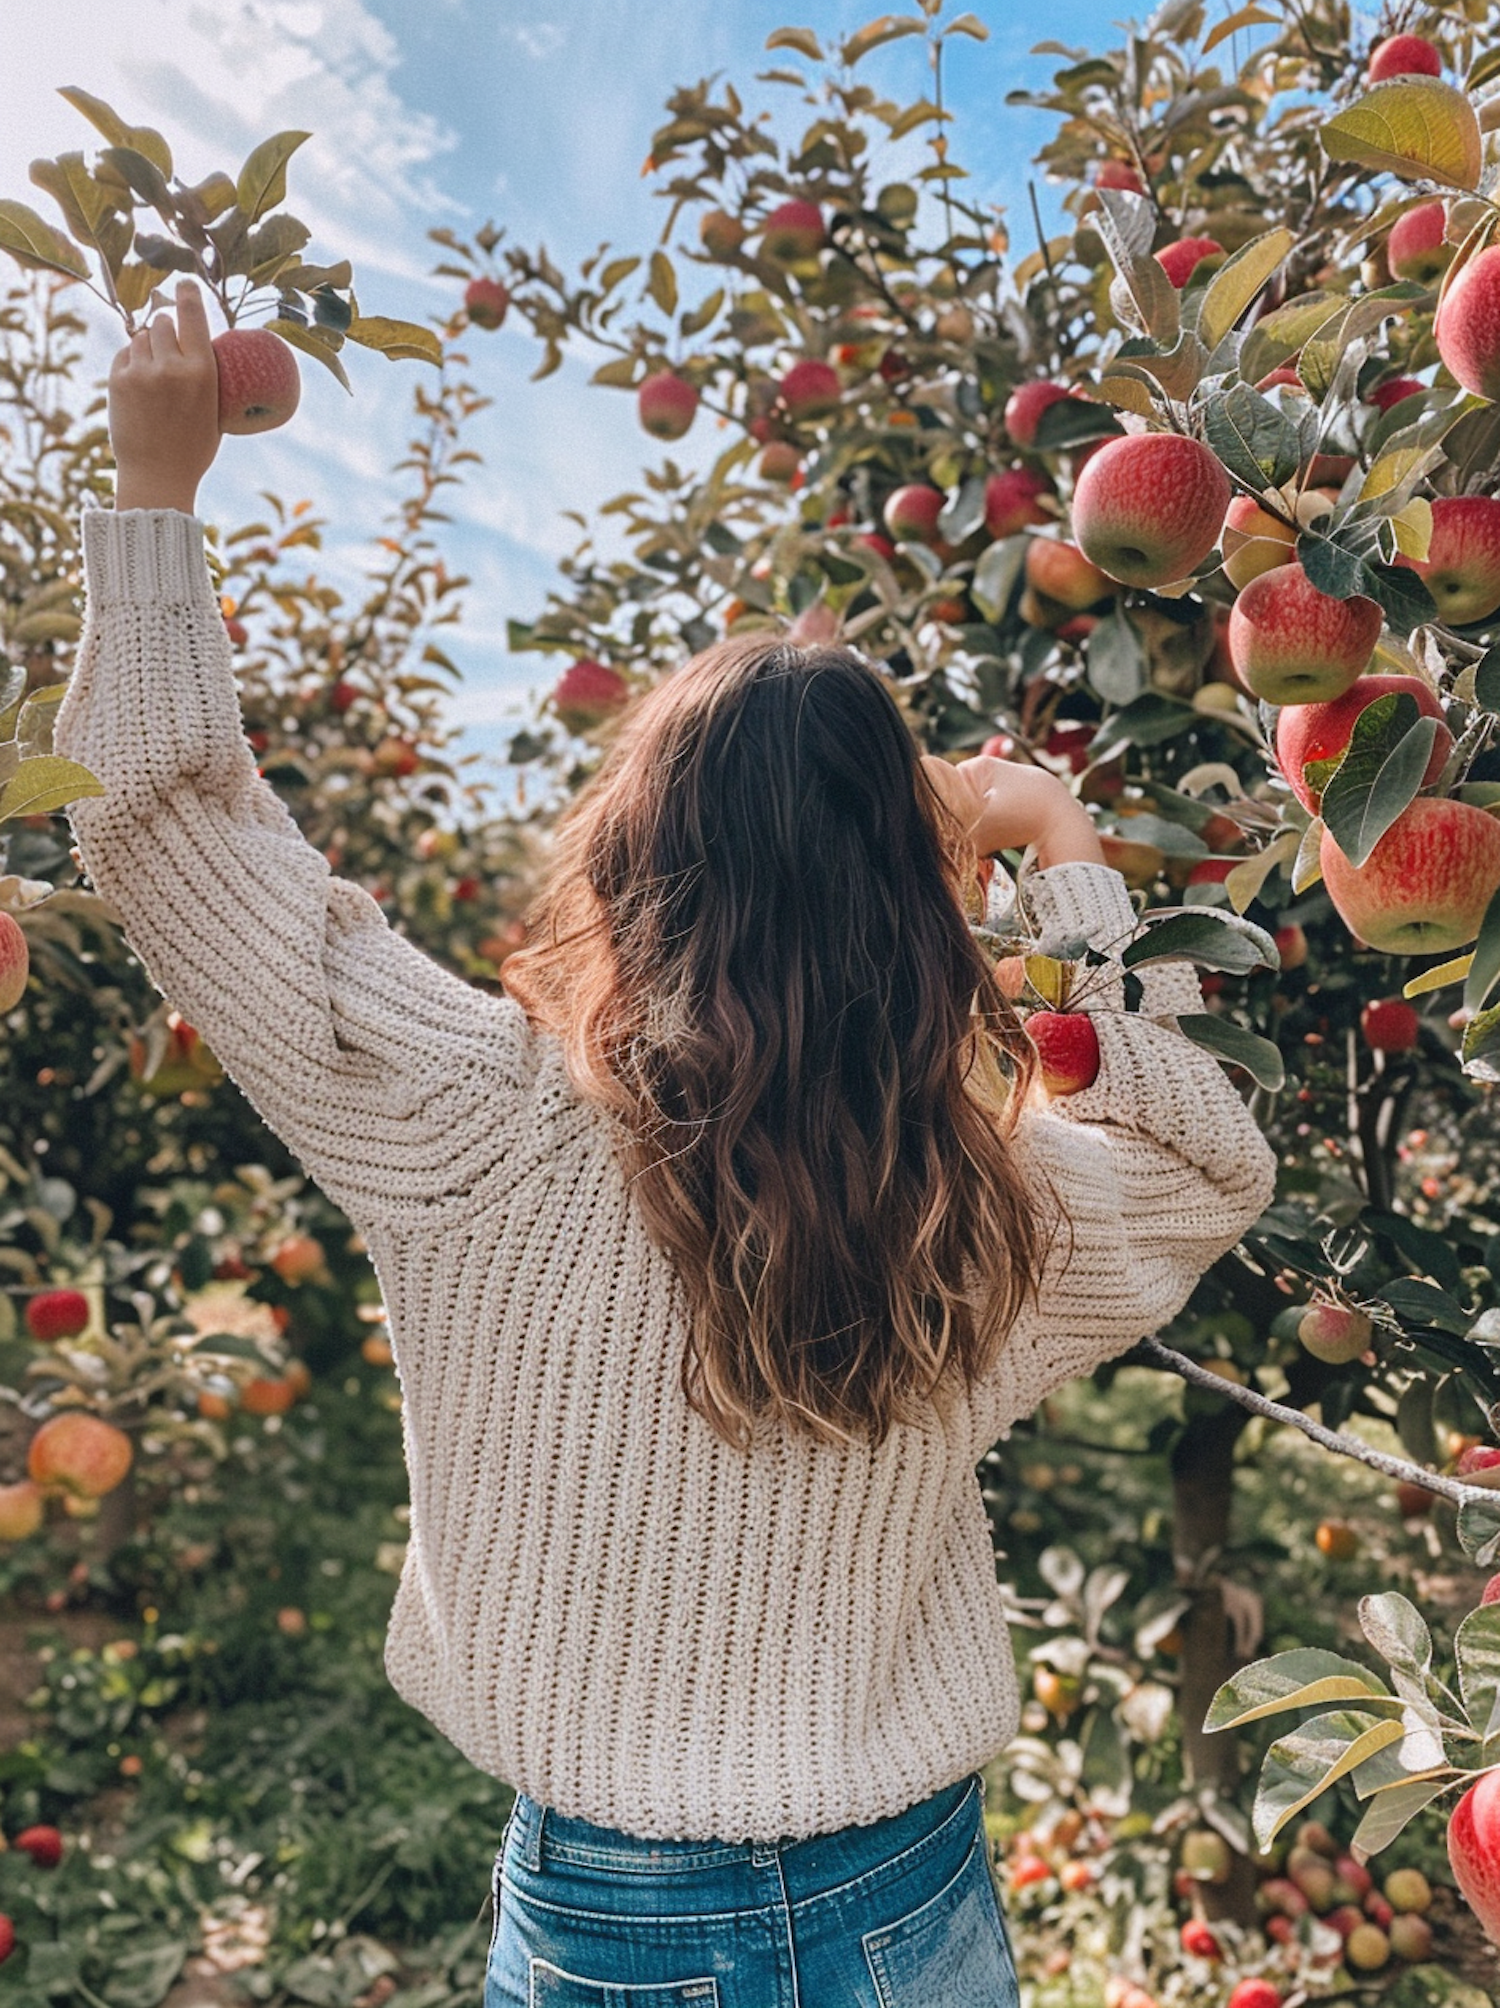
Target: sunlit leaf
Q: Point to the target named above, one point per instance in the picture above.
(395, 339)
(661, 283)
(1300, 1767)
(34, 244)
(1417, 127)
(803, 40)
(1238, 280)
(104, 119)
(1243, 17)
(46, 783)
(310, 345)
(261, 182)
(875, 34)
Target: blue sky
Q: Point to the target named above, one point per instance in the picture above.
(451, 111)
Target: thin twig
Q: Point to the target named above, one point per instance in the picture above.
(1151, 1352)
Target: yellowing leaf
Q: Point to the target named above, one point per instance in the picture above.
(1413, 528)
(311, 345)
(662, 282)
(1439, 978)
(395, 339)
(1245, 880)
(1416, 127)
(41, 785)
(1245, 17)
(803, 40)
(35, 245)
(1308, 868)
(874, 34)
(618, 374)
(105, 119)
(1237, 282)
(262, 180)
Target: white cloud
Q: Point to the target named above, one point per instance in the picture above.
(537, 39)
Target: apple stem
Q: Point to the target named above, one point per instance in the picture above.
(1151, 1352)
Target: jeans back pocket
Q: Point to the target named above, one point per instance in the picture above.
(952, 1949)
(551, 1987)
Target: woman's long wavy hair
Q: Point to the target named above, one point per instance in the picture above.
(752, 945)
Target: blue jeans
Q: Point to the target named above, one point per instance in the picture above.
(900, 1914)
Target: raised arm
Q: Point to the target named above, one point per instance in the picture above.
(366, 1057)
(1149, 1174)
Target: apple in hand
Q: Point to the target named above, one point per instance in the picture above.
(1067, 1045)
(1424, 888)
(1462, 566)
(259, 385)
(1291, 644)
(1315, 735)
(1466, 326)
(1147, 507)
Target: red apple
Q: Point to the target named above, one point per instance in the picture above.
(395, 757)
(1315, 735)
(1067, 1045)
(299, 1258)
(1292, 644)
(1334, 1334)
(792, 233)
(911, 513)
(1478, 1457)
(1062, 573)
(1390, 1025)
(587, 693)
(1118, 174)
(1198, 1941)
(485, 301)
(1424, 888)
(1180, 260)
(1254, 541)
(720, 234)
(1011, 501)
(21, 1508)
(871, 540)
(43, 1844)
(667, 404)
(779, 461)
(259, 385)
(1491, 1591)
(1285, 374)
(810, 389)
(1027, 402)
(7, 1937)
(1416, 248)
(15, 961)
(1148, 507)
(1395, 390)
(80, 1453)
(1404, 56)
(1412, 1501)
(1474, 1851)
(1291, 946)
(1462, 566)
(1255, 1994)
(57, 1314)
(1467, 325)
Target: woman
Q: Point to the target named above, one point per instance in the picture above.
(715, 1258)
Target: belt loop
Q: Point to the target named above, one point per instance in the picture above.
(762, 1852)
(531, 1836)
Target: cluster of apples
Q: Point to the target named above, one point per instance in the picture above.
(74, 1456)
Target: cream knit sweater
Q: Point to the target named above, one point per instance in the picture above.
(602, 1602)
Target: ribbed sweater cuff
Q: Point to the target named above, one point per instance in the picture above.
(145, 556)
(1086, 900)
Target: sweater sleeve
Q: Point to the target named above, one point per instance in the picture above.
(389, 1077)
(1144, 1178)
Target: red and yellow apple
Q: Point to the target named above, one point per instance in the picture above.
(21, 1508)
(1067, 1046)
(810, 389)
(1334, 1334)
(721, 234)
(80, 1454)
(667, 404)
(587, 693)
(1462, 566)
(1404, 56)
(1466, 326)
(1011, 501)
(15, 961)
(1060, 572)
(1474, 1851)
(1254, 541)
(1292, 644)
(486, 301)
(1180, 260)
(1148, 507)
(793, 233)
(1315, 735)
(259, 384)
(1424, 888)
(1416, 248)
(911, 513)
(1027, 402)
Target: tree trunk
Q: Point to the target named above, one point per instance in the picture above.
(1202, 1495)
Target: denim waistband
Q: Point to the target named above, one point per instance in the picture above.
(817, 1863)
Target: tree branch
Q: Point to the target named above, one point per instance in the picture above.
(1151, 1352)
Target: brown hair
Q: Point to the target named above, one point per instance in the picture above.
(752, 944)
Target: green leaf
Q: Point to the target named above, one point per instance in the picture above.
(1115, 659)
(1127, 224)
(1481, 1045)
(261, 182)
(803, 40)
(1284, 331)
(103, 118)
(1072, 421)
(705, 312)
(995, 575)
(1420, 1303)
(1227, 1041)
(84, 202)
(1403, 596)
(35, 245)
(1484, 967)
(143, 1976)
(1416, 127)
(1300, 1767)
(1214, 940)
(1147, 720)
(1379, 774)
(311, 345)
(1256, 442)
(1398, 1631)
(1239, 279)
(1332, 567)
(38, 786)
(143, 177)
(1487, 679)
(875, 34)
(1432, 1253)
(395, 339)
(1391, 1810)
(963, 512)
(1476, 1647)
(661, 283)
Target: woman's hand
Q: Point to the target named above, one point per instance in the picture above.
(164, 409)
(1005, 805)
